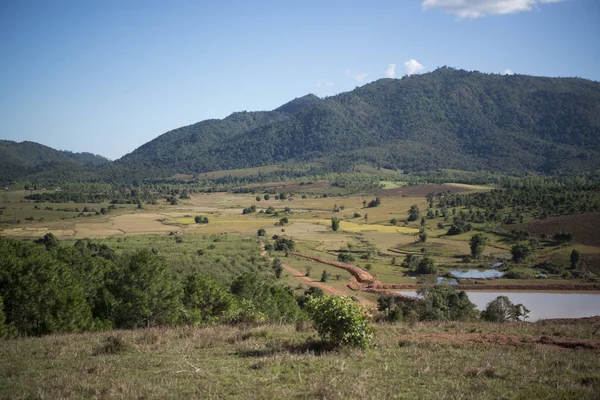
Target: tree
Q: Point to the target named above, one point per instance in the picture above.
(199, 219)
(374, 203)
(261, 232)
(345, 257)
(49, 240)
(340, 321)
(284, 244)
(394, 221)
(267, 196)
(324, 276)
(146, 290)
(258, 198)
(277, 267)
(422, 235)
(477, 244)
(442, 302)
(335, 223)
(520, 252)
(575, 258)
(205, 300)
(502, 309)
(308, 269)
(426, 266)
(414, 213)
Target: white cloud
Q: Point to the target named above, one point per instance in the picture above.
(508, 71)
(390, 71)
(480, 8)
(324, 83)
(413, 67)
(357, 76)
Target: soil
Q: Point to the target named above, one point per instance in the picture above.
(584, 227)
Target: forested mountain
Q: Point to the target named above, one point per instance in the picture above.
(444, 119)
(25, 159)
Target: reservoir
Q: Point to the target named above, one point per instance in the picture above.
(542, 305)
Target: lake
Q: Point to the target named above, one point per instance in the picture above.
(542, 304)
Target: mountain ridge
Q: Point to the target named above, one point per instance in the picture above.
(447, 118)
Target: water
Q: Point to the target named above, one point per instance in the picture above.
(448, 281)
(541, 304)
(477, 274)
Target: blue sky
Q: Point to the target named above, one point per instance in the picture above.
(107, 76)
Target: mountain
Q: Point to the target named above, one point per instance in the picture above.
(27, 159)
(447, 118)
(444, 119)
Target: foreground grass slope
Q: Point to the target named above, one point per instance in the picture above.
(423, 360)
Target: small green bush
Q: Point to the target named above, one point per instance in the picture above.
(340, 321)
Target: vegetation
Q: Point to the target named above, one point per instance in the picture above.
(340, 321)
(502, 309)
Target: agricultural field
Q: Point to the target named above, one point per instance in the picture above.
(378, 238)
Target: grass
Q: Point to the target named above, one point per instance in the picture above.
(423, 360)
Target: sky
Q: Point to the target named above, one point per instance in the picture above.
(106, 76)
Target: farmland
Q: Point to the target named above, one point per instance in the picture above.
(377, 238)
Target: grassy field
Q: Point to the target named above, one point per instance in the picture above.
(423, 360)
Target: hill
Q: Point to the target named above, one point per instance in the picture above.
(444, 119)
(26, 159)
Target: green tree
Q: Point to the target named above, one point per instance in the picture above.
(261, 232)
(146, 291)
(267, 196)
(520, 252)
(205, 300)
(426, 266)
(340, 321)
(501, 309)
(277, 267)
(477, 244)
(422, 235)
(324, 276)
(575, 258)
(414, 213)
(335, 223)
(345, 257)
(442, 302)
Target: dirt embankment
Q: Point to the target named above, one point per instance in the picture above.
(361, 275)
(541, 286)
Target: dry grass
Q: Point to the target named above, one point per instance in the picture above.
(289, 362)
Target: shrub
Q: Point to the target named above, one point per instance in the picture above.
(284, 244)
(199, 219)
(340, 321)
(261, 232)
(345, 257)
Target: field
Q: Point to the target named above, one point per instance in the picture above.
(423, 360)
(368, 233)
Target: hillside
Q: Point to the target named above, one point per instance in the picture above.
(25, 159)
(444, 119)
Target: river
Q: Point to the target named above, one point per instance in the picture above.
(542, 305)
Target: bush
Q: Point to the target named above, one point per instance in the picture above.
(502, 309)
(284, 244)
(345, 257)
(199, 219)
(261, 232)
(340, 321)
